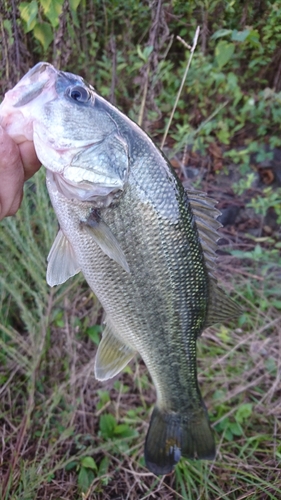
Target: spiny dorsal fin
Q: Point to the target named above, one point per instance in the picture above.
(112, 356)
(62, 263)
(206, 220)
(221, 307)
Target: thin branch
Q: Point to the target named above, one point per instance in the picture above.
(195, 40)
(5, 47)
(16, 35)
(143, 101)
(153, 41)
(114, 67)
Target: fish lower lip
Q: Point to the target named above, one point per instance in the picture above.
(67, 149)
(84, 191)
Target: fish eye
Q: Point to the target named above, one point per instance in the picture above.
(79, 94)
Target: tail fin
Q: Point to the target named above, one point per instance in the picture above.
(171, 435)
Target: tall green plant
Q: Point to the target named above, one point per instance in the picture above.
(42, 18)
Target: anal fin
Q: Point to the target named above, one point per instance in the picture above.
(112, 356)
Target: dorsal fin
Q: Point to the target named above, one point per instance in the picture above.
(206, 216)
(221, 307)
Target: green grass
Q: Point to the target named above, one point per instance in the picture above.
(64, 435)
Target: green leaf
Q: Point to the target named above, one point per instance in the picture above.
(223, 53)
(8, 27)
(240, 36)
(107, 425)
(52, 10)
(85, 478)
(147, 51)
(236, 429)
(232, 79)
(270, 365)
(103, 468)
(71, 465)
(144, 55)
(104, 398)
(73, 4)
(75, 19)
(123, 430)
(218, 394)
(94, 333)
(89, 463)
(140, 53)
(254, 38)
(43, 32)
(220, 33)
(244, 412)
(224, 135)
(228, 435)
(28, 12)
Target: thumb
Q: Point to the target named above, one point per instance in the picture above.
(11, 175)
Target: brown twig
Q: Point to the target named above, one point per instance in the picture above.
(114, 65)
(158, 35)
(15, 30)
(5, 49)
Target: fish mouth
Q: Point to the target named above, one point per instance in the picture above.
(99, 195)
(40, 67)
(39, 70)
(41, 76)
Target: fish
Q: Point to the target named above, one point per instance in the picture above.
(145, 245)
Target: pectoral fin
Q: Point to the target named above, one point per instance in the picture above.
(106, 240)
(62, 263)
(112, 356)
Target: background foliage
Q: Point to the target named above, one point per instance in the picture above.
(238, 58)
(63, 434)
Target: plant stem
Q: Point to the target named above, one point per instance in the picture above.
(181, 86)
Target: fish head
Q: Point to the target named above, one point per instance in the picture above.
(74, 134)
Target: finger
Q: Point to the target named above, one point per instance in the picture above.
(29, 159)
(11, 176)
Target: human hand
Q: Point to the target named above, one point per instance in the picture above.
(18, 162)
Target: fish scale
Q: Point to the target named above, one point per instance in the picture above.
(150, 305)
(145, 246)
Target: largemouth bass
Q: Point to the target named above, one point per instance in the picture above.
(144, 244)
